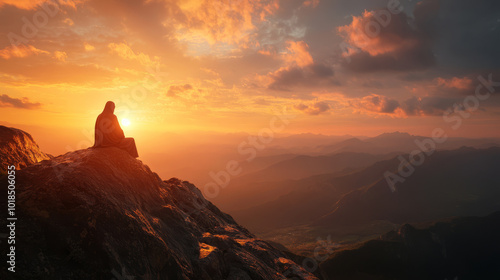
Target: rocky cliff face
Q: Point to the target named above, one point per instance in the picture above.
(101, 214)
(18, 148)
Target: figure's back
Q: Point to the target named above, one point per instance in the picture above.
(107, 131)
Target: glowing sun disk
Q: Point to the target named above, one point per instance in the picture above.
(125, 122)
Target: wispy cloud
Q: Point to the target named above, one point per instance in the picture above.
(20, 51)
(23, 103)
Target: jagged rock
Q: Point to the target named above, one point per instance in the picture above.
(18, 148)
(101, 214)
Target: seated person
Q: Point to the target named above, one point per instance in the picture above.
(108, 132)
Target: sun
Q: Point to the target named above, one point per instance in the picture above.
(125, 122)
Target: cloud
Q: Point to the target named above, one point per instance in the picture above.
(176, 89)
(300, 70)
(313, 75)
(462, 35)
(428, 98)
(151, 23)
(376, 103)
(310, 3)
(298, 54)
(124, 51)
(438, 96)
(437, 99)
(314, 109)
(143, 31)
(61, 56)
(23, 103)
(33, 4)
(445, 86)
(88, 47)
(283, 26)
(413, 106)
(428, 106)
(380, 40)
(455, 83)
(285, 51)
(269, 50)
(232, 22)
(20, 51)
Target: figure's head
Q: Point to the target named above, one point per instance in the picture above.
(109, 108)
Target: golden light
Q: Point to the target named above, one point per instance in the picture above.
(125, 122)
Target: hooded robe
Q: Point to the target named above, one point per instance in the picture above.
(108, 132)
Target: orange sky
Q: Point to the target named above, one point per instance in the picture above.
(228, 66)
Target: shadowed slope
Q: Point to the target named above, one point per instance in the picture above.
(463, 248)
(449, 183)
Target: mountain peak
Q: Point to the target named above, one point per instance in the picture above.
(99, 213)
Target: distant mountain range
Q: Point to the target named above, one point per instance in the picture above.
(273, 181)
(401, 142)
(266, 178)
(448, 183)
(175, 153)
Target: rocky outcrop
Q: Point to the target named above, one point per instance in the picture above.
(101, 214)
(18, 148)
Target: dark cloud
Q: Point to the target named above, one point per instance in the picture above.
(435, 98)
(406, 59)
(428, 106)
(24, 103)
(376, 103)
(458, 35)
(465, 33)
(386, 105)
(312, 75)
(314, 109)
(397, 46)
(413, 106)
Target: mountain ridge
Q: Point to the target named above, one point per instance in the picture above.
(461, 248)
(101, 214)
(336, 200)
(469, 192)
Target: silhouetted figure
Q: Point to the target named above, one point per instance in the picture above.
(108, 132)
